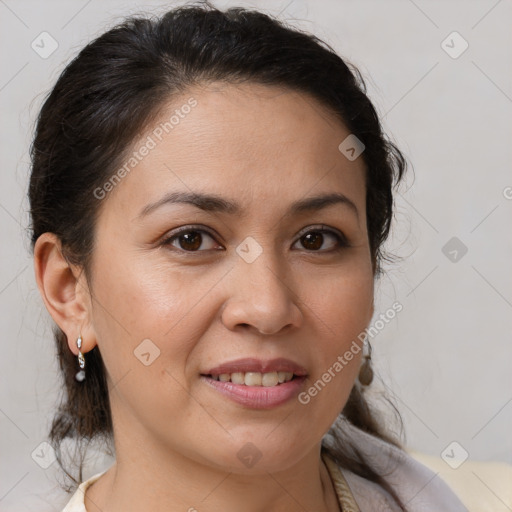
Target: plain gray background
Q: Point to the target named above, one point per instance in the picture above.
(445, 359)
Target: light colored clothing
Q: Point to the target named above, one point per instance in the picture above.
(418, 487)
(76, 503)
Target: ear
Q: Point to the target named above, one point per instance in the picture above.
(65, 292)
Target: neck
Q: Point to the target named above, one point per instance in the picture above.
(160, 480)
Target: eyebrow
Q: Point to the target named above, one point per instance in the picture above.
(218, 204)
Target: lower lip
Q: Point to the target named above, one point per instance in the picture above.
(258, 397)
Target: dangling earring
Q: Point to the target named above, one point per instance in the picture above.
(365, 372)
(80, 375)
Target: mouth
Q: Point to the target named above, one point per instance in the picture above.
(257, 384)
(269, 379)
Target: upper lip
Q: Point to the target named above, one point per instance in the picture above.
(250, 364)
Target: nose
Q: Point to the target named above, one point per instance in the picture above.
(262, 296)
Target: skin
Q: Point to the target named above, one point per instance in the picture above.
(177, 439)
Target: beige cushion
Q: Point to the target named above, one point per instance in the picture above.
(481, 486)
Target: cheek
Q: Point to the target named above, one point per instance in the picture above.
(137, 300)
(142, 322)
(340, 306)
(342, 303)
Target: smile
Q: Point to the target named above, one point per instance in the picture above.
(266, 392)
(255, 378)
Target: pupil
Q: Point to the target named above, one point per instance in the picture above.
(313, 241)
(190, 241)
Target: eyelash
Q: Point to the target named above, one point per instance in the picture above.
(340, 238)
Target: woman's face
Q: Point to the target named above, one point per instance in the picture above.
(257, 280)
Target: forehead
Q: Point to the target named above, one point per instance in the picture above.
(249, 141)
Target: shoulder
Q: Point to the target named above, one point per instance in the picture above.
(76, 503)
(418, 487)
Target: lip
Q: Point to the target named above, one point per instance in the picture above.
(258, 397)
(250, 364)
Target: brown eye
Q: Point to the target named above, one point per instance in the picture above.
(315, 239)
(191, 240)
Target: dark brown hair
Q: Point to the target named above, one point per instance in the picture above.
(109, 94)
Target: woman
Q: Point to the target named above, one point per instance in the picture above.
(210, 193)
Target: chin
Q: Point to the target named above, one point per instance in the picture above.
(259, 454)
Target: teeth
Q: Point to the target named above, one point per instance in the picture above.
(270, 379)
(255, 378)
(237, 378)
(252, 379)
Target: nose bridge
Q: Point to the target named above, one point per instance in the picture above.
(261, 295)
